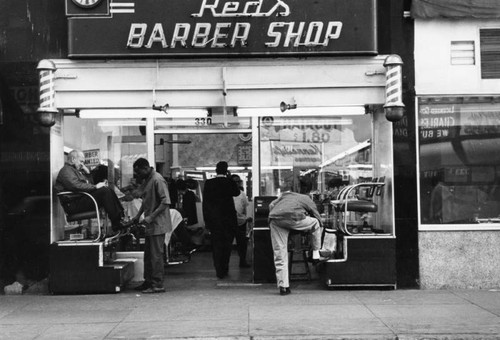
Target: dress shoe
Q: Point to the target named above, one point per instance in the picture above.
(222, 275)
(191, 249)
(321, 259)
(153, 290)
(143, 286)
(122, 225)
(285, 290)
(313, 261)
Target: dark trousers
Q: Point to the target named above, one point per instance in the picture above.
(222, 240)
(181, 234)
(242, 242)
(153, 260)
(105, 198)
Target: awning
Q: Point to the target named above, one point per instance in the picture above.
(455, 9)
(124, 84)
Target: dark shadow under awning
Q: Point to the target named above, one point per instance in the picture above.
(455, 9)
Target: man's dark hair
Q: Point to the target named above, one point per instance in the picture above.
(221, 168)
(191, 184)
(180, 184)
(141, 163)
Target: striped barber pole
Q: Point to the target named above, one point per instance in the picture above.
(47, 92)
(394, 82)
(394, 107)
(47, 110)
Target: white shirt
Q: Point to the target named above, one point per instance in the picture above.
(241, 204)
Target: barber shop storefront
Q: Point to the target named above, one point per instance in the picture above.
(282, 91)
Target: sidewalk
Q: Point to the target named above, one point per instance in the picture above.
(197, 305)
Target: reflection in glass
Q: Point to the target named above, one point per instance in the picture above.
(318, 155)
(459, 161)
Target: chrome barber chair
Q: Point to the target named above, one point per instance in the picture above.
(357, 199)
(87, 266)
(65, 199)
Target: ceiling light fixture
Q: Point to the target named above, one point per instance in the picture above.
(354, 110)
(140, 113)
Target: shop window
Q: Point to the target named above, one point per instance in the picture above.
(459, 162)
(490, 53)
(317, 155)
(111, 147)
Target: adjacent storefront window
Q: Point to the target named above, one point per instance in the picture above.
(459, 161)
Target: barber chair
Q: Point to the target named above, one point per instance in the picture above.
(357, 199)
(86, 266)
(366, 254)
(65, 198)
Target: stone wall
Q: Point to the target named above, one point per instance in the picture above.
(462, 259)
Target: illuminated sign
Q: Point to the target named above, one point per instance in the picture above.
(164, 28)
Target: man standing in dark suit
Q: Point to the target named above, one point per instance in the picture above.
(220, 216)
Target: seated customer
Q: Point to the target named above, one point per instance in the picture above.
(73, 177)
(189, 200)
(292, 211)
(179, 232)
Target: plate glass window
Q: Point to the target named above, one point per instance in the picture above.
(459, 139)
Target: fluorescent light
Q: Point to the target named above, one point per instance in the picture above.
(141, 113)
(310, 121)
(174, 122)
(277, 167)
(212, 168)
(302, 111)
(121, 122)
(346, 153)
(118, 113)
(185, 113)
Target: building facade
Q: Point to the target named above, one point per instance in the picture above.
(280, 96)
(457, 109)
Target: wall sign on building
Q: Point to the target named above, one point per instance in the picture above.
(174, 28)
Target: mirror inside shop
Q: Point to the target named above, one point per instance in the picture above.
(319, 156)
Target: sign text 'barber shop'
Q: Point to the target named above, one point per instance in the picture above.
(280, 33)
(222, 27)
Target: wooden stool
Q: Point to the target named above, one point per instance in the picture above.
(298, 243)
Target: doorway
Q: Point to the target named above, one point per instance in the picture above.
(184, 158)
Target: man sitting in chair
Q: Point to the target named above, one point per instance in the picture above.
(292, 211)
(73, 177)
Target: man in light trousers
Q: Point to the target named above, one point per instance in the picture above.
(292, 211)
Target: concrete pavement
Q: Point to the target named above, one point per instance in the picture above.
(199, 306)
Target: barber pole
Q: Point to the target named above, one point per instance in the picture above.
(47, 110)
(394, 106)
